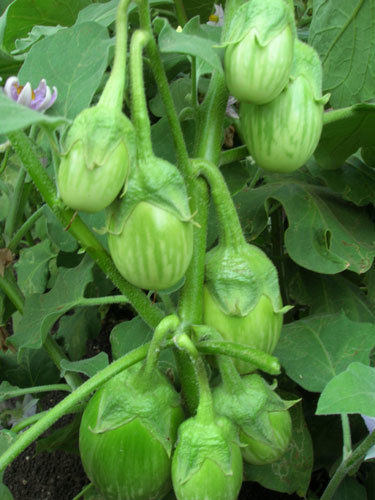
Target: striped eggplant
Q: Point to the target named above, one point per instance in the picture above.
(99, 147)
(207, 462)
(259, 50)
(127, 434)
(242, 298)
(150, 232)
(154, 248)
(283, 134)
(262, 417)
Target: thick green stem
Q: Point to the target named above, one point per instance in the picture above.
(167, 325)
(74, 224)
(166, 96)
(56, 353)
(39, 388)
(26, 226)
(353, 460)
(232, 155)
(10, 222)
(205, 410)
(82, 392)
(4, 160)
(12, 292)
(113, 93)
(230, 231)
(347, 439)
(140, 117)
(180, 12)
(99, 301)
(262, 360)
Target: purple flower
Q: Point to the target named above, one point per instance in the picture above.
(38, 99)
(370, 424)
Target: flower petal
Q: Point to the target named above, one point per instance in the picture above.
(370, 423)
(25, 95)
(42, 97)
(10, 87)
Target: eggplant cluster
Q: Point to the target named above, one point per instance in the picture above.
(278, 81)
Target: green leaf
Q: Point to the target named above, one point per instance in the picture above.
(76, 71)
(5, 493)
(32, 267)
(7, 390)
(52, 227)
(315, 349)
(89, 366)
(32, 367)
(354, 181)
(76, 329)
(193, 40)
(350, 489)
(352, 391)
(128, 335)
(203, 8)
(43, 310)
(324, 235)
(330, 295)
(22, 15)
(36, 34)
(344, 131)
(340, 34)
(8, 66)
(105, 13)
(19, 117)
(180, 90)
(292, 473)
(63, 438)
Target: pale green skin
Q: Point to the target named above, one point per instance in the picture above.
(154, 248)
(127, 463)
(259, 329)
(210, 482)
(258, 74)
(282, 135)
(91, 190)
(259, 453)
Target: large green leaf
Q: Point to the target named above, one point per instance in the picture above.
(193, 40)
(202, 8)
(354, 181)
(32, 267)
(352, 391)
(292, 472)
(315, 349)
(344, 131)
(8, 66)
(76, 71)
(341, 33)
(325, 234)
(88, 366)
(43, 310)
(15, 116)
(22, 15)
(330, 294)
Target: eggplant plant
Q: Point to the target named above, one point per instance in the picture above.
(187, 219)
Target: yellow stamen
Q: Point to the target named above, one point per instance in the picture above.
(213, 18)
